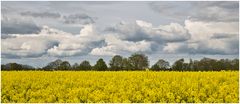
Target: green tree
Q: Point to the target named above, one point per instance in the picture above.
(75, 66)
(138, 61)
(155, 67)
(85, 65)
(207, 64)
(100, 65)
(126, 64)
(160, 65)
(3, 67)
(195, 65)
(65, 65)
(190, 65)
(116, 63)
(185, 67)
(178, 65)
(235, 64)
(53, 65)
(15, 66)
(27, 67)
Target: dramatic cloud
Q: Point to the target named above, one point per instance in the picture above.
(50, 42)
(77, 44)
(208, 38)
(140, 36)
(41, 14)
(87, 29)
(204, 30)
(196, 37)
(61, 44)
(142, 30)
(193, 38)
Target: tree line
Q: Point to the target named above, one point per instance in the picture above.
(136, 62)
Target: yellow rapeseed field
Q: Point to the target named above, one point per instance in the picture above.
(135, 86)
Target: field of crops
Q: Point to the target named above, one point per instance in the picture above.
(66, 86)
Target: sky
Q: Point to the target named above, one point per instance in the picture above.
(36, 33)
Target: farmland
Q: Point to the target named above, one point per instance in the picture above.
(121, 86)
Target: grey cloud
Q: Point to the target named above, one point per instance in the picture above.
(18, 26)
(135, 32)
(222, 4)
(205, 49)
(130, 32)
(78, 19)
(41, 14)
(5, 36)
(75, 51)
(175, 47)
(10, 56)
(115, 46)
(25, 48)
(212, 37)
(234, 45)
(140, 36)
(223, 36)
(171, 9)
(5, 9)
(199, 11)
(50, 42)
(226, 11)
(230, 48)
(66, 7)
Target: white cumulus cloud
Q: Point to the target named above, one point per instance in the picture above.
(117, 46)
(202, 38)
(51, 42)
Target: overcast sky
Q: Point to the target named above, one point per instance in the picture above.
(37, 33)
